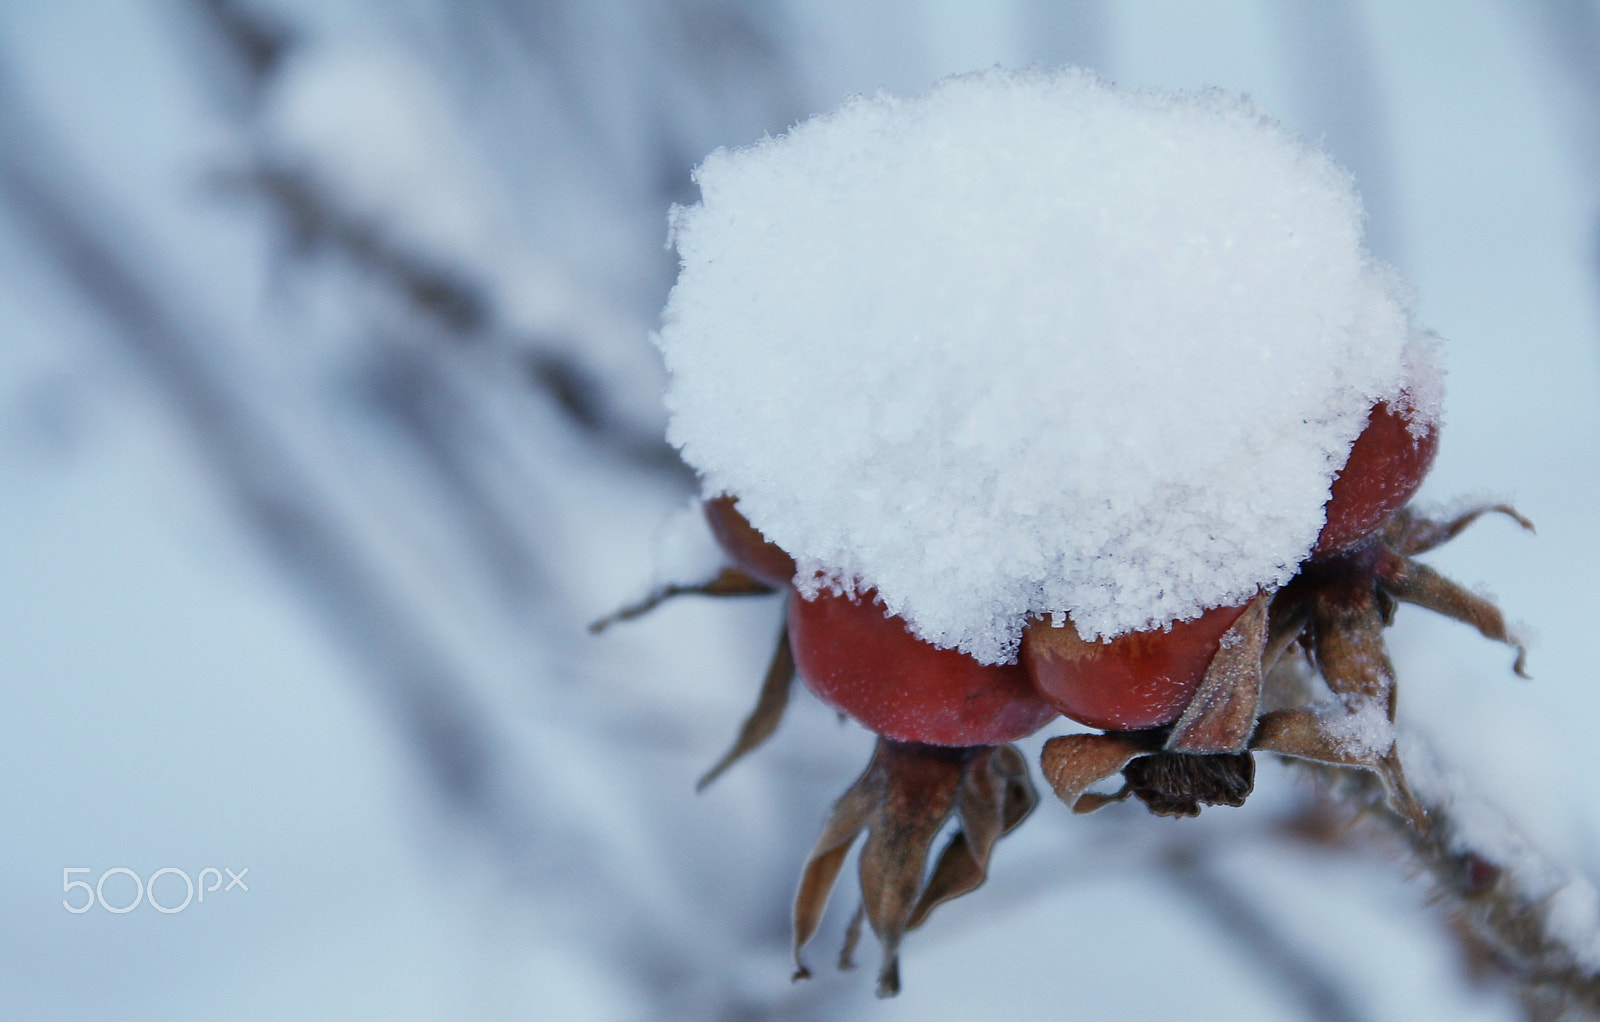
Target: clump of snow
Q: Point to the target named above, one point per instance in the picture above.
(1476, 827)
(1570, 919)
(1422, 381)
(1563, 905)
(1361, 728)
(1031, 345)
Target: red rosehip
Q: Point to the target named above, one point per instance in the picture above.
(754, 554)
(864, 662)
(1386, 465)
(1137, 680)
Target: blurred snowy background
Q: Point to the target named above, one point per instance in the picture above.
(328, 417)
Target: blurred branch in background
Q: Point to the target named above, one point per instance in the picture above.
(1567, 32)
(421, 350)
(448, 412)
(1263, 937)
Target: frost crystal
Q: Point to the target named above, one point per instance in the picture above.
(1028, 344)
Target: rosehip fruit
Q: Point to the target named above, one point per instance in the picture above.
(864, 662)
(754, 554)
(1135, 681)
(1386, 465)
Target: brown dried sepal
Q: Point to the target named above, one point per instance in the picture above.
(1305, 734)
(767, 714)
(995, 796)
(1338, 608)
(1222, 713)
(1409, 533)
(902, 801)
(1075, 763)
(1411, 582)
(727, 582)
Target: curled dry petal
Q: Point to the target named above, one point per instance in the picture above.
(1075, 763)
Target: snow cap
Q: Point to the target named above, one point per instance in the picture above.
(1029, 344)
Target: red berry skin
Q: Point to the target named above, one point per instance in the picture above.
(1386, 465)
(1138, 680)
(863, 662)
(754, 554)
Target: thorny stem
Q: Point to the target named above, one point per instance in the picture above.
(1513, 904)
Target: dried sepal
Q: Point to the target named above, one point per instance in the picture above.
(919, 794)
(1288, 616)
(727, 582)
(1418, 584)
(847, 818)
(1316, 736)
(994, 798)
(903, 800)
(767, 714)
(1072, 764)
(1347, 641)
(852, 937)
(1304, 734)
(1409, 533)
(1222, 713)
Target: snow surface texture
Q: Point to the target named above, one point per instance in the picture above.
(1027, 344)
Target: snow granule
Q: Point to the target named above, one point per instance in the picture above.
(1360, 729)
(1028, 344)
(1570, 916)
